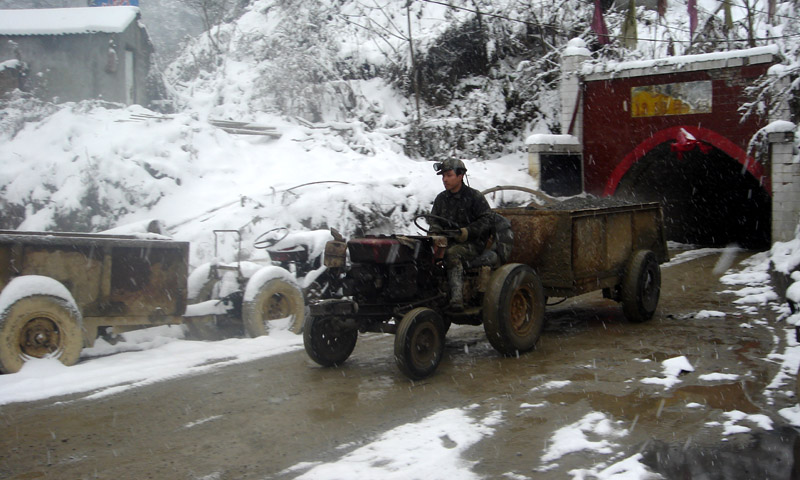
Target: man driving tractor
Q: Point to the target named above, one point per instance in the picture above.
(465, 215)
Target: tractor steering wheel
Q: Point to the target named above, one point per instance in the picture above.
(263, 242)
(429, 217)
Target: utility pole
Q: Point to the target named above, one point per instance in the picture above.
(414, 75)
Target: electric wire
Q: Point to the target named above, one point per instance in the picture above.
(558, 27)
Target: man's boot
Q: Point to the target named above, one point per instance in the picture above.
(455, 278)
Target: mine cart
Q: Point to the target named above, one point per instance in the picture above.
(575, 251)
(58, 289)
(398, 284)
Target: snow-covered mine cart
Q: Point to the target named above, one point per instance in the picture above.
(58, 289)
(398, 284)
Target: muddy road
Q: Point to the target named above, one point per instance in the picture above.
(276, 417)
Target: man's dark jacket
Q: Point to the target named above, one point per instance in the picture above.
(467, 209)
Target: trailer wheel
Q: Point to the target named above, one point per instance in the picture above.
(641, 286)
(513, 309)
(327, 342)
(276, 299)
(39, 326)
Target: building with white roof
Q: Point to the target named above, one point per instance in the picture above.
(73, 54)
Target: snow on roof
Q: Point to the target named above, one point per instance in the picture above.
(553, 143)
(61, 21)
(704, 61)
(552, 139)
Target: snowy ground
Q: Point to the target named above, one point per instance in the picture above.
(162, 353)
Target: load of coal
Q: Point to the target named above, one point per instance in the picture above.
(583, 202)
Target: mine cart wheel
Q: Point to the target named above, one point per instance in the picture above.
(513, 309)
(276, 299)
(641, 286)
(326, 342)
(419, 343)
(39, 326)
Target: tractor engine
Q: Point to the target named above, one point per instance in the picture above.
(382, 283)
(390, 269)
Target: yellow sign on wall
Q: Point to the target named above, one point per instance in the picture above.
(671, 99)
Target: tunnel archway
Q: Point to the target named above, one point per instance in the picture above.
(709, 198)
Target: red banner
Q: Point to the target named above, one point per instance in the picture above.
(599, 24)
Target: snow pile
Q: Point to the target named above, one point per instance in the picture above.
(755, 279)
(98, 168)
(713, 377)
(731, 426)
(630, 468)
(62, 21)
(21, 287)
(431, 448)
(672, 368)
(783, 258)
(594, 434)
(552, 385)
(575, 437)
(705, 314)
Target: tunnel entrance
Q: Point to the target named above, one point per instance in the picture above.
(708, 198)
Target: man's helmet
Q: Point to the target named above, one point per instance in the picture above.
(450, 164)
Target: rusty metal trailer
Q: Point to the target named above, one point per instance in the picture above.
(580, 250)
(58, 289)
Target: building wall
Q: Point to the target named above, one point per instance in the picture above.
(76, 67)
(612, 133)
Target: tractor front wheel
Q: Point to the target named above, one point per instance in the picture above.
(419, 343)
(327, 342)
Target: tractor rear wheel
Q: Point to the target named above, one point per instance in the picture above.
(513, 309)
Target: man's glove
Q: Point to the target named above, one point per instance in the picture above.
(462, 235)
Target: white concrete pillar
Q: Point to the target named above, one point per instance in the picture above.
(558, 157)
(785, 181)
(571, 60)
(782, 83)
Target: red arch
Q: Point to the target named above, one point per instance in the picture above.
(700, 133)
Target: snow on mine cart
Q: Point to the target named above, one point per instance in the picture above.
(398, 284)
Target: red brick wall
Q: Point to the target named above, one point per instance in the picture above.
(614, 139)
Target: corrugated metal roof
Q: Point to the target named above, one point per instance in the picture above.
(61, 21)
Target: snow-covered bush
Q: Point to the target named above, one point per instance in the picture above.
(18, 108)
